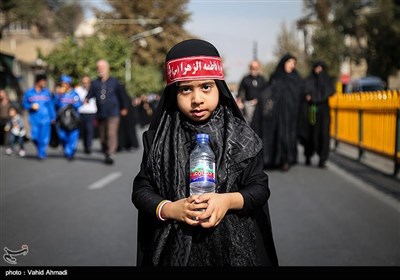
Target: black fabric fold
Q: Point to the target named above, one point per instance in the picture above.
(168, 163)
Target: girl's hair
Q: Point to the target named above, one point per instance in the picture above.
(14, 107)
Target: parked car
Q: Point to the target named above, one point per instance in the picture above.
(370, 83)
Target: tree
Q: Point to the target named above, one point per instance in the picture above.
(77, 60)
(348, 21)
(328, 47)
(372, 25)
(327, 42)
(48, 16)
(147, 79)
(134, 17)
(68, 17)
(130, 18)
(287, 42)
(382, 28)
(115, 42)
(12, 11)
(319, 9)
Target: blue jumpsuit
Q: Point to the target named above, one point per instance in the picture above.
(40, 119)
(68, 138)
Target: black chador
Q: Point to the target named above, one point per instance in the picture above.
(314, 118)
(275, 117)
(243, 237)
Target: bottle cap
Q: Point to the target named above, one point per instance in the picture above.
(202, 136)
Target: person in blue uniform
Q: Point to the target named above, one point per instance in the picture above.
(69, 136)
(38, 101)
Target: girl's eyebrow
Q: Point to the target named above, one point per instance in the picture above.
(183, 84)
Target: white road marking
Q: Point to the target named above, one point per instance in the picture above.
(105, 181)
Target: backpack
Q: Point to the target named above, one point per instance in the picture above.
(68, 117)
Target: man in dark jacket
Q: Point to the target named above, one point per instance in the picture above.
(111, 102)
(250, 88)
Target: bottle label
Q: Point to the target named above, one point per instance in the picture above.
(203, 172)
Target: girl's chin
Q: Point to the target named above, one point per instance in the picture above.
(203, 118)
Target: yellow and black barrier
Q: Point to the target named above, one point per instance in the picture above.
(369, 121)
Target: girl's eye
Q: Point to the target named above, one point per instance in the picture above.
(185, 89)
(207, 87)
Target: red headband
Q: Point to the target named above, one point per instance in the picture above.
(194, 68)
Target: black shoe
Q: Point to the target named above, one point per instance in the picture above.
(308, 161)
(70, 157)
(109, 160)
(285, 167)
(322, 164)
(88, 151)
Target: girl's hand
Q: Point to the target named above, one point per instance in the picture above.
(218, 205)
(184, 210)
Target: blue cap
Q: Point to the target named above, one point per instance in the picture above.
(202, 136)
(66, 79)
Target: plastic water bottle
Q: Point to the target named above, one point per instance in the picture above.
(202, 166)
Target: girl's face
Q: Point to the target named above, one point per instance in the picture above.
(12, 112)
(290, 64)
(197, 99)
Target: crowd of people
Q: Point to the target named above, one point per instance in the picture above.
(86, 110)
(284, 110)
(258, 129)
(288, 111)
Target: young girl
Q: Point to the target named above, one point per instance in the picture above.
(16, 129)
(235, 228)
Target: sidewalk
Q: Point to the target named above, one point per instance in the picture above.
(373, 169)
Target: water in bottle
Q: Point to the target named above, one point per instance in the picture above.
(202, 166)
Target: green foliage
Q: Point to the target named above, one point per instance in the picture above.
(77, 59)
(329, 47)
(372, 28)
(382, 30)
(68, 17)
(146, 79)
(170, 15)
(49, 16)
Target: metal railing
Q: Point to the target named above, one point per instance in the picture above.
(369, 121)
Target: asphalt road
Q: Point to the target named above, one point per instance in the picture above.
(80, 213)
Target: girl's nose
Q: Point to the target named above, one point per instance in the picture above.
(197, 97)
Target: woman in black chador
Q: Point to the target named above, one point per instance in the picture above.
(127, 134)
(234, 229)
(314, 119)
(275, 117)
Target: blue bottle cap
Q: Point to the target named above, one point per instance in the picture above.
(202, 136)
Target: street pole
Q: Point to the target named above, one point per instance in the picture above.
(128, 73)
(139, 36)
